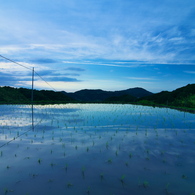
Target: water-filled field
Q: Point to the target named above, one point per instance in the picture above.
(96, 149)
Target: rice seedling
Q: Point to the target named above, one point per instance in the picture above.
(39, 161)
(107, 145)
(69, 185)
(34, 175)
(184, 176)
(145, 184)
(122, 179)
(52, 164)
(6, 190)
(88, 190)
(8, 167)
(101, 176)
(83, 172)
(130, 155)
(166, 188)
(147, 158)
(66, 167)
(109, 161)
(119, 127)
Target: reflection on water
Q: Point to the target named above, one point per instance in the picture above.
(96, 149)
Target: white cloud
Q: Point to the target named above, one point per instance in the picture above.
(87, 84)
(190, 72)
(87, 34)
(10, 49)
(141, 78)
(24, 69)
(176, 39)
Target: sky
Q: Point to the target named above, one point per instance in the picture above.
(106, 44)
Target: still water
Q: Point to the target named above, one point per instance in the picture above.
(107, 149)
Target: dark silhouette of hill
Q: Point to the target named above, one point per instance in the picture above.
(182, 97)
(121, 99)
(98, 95)
(9, 95)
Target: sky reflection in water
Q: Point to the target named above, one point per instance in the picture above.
(96, 149)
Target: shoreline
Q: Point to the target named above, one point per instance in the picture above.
(184, 109)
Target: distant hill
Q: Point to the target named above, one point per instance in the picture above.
(98, 95)
(182, 97)
(9, 95)
(121, 99)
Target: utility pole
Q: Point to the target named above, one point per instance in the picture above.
(32, 97)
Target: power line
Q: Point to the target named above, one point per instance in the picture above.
(32, 69)
(15, 62)
(44, 81)
(13, 139)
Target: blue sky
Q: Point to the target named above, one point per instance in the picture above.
(105, 44)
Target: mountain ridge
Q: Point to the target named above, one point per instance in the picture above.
(96, 95)
(183, 97)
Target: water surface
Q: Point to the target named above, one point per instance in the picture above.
(96, 149)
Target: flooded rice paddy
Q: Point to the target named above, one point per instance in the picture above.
(96, 149)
